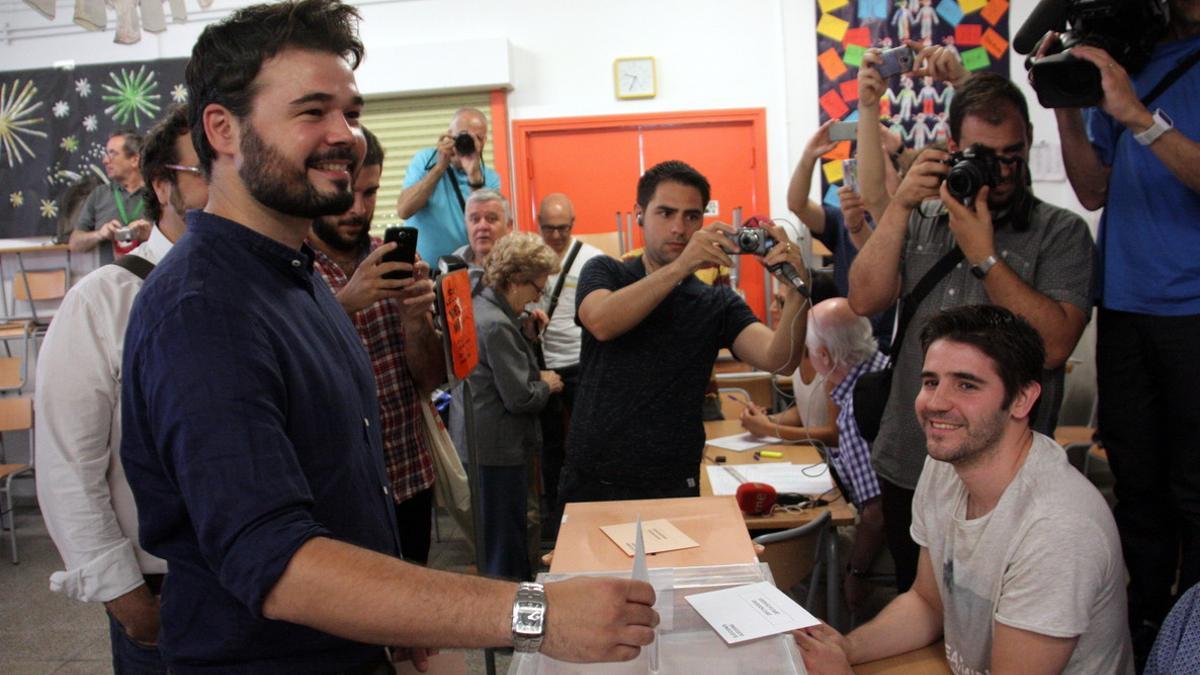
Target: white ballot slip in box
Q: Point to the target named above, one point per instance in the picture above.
(743, 442)
(660, 535)
(750, 612)
(805, 479)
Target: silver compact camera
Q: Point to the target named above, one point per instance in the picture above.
(124, 235)
(752, 240)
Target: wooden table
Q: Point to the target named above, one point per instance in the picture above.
(713, 522)
(929, 660)
(843, 512)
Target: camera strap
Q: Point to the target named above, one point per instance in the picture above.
(1169, 79)
(449, 175)
(562, 277)
(910, 302)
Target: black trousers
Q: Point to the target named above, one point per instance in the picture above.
(1148, 373)
(896, 503)
(555, 418)
(414, 519)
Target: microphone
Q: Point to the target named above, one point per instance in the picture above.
(788, 270)
(1047, 16)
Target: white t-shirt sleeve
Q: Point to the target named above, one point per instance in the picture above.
(919, 527)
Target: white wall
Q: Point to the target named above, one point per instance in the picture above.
(557, 57)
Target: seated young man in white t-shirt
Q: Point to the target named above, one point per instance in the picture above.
(1020, 567)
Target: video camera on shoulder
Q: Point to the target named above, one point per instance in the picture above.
(1126, 29)
(970, 170)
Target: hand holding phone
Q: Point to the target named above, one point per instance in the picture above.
(405, 239)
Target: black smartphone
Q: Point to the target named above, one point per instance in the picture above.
(405, 239)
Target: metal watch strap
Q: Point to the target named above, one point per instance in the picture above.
(984, 266)
(1162, 124)
(529, 617)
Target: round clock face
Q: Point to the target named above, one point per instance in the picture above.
(635, 77)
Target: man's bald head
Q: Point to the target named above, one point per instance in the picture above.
(837, 337)
(556, 217)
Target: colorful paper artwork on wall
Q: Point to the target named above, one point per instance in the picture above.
(916, 110)
(54, 124)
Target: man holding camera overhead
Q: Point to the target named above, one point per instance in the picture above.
(440, 179)
(997, 244)
(1137, 159)
(651, 332)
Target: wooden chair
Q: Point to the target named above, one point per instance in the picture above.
(16, 414)
(37, 286)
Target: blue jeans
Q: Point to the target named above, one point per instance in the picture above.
(130, 657)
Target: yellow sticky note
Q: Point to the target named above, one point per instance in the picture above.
(832, 27)
(833, 171)
(830, 5)
(969, 6)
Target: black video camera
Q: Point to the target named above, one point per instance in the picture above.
(464, 144)
(1126, 29)
(752, 240)
(970, 170)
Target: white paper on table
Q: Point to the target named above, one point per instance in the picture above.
(641, 572)
(805, 479)
(750, 612)
(662, 535)
(743, 442)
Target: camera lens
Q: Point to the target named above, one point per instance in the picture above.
(964, 180)
(464, 144)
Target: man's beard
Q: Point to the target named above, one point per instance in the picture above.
(327, 232)
(982, 438)
(287, 190)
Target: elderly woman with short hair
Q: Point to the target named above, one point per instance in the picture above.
(508, 391)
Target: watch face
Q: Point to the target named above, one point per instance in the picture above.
(529, 619)
(635, 78)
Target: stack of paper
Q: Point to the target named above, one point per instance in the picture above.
(805, 479)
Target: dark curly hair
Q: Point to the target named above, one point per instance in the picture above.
(1005, 338)
(159, 152)
(671, 171)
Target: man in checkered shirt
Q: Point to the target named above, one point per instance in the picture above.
(841, 348)
(394, 321)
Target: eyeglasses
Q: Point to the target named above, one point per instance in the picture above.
(555, 229)
(540, 289)
(186, 169)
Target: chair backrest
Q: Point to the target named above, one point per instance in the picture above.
(12, 372)
(733, 401)
(608, 242)
(756, 382)
(16, 414)
(40, 285)
(791, 554)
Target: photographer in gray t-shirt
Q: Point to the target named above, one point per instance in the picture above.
(1020, 567)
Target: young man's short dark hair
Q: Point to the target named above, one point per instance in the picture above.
(158, 153)
(375, 151)
(132, 140)
(671, 171)
(1005, 338)
(229, 54)
(984, 95)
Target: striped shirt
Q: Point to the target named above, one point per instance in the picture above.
(852, 458)
(405, 450)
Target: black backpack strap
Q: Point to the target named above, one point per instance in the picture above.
(134, 264)
(562, 277)
(1169, 79)
(910, 302)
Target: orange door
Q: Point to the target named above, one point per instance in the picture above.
(596, 161)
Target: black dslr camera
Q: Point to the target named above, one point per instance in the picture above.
(752, 240)
(464, 144)
(970, 170)
(1126, 29)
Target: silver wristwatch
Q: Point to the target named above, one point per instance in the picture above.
(529, 617)
(1162, 124)
(981, 269)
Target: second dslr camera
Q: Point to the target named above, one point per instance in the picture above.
(970, 170)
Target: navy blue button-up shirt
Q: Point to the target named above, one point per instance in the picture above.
(250, 426)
